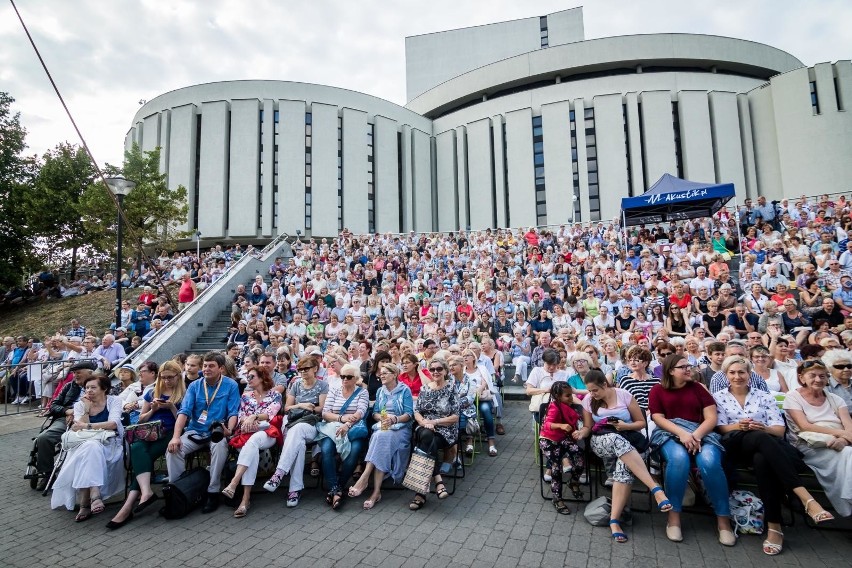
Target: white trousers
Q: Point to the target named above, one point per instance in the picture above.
(292, 458)
(250, 455)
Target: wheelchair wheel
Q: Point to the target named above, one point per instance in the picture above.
(33, 482)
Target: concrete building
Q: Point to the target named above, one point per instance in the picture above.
(507, 125)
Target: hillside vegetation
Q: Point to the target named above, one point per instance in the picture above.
(47, 317)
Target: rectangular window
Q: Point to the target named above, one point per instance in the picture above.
(542, 24)
(339, 173)
(260, 175)
(627, 151)
(576, 214)
(308, 180)
(196, 188)
(592, 165)
(814, 98)
(538, 164)
(506, 173)
(371, 180)
(275, 181)
(678, 148)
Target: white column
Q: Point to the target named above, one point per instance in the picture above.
(355, 206)
(582, 166)
(637, 167)
(824, 76)
(658, 135)
(696, 140)
(499, 170)
(324, 168)
(165, 127)
(151, 132)
(521, 170)
(558, 170)
(749, 165)
(182, 144)
(268, 171)
(386, 168)
(611, 153)
(213, 169)
(422, 179)
(843, 69)
(447, 199)
(462, 185)
(407, 183)
(480, 175)
(727, 142)
(244, 183)
(291, 166)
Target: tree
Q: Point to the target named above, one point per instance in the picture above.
(54, 207)
(153, 212)
(17, 174)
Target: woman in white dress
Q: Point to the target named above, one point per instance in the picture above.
(93, 470)
(814, 413)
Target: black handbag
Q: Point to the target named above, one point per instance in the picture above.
(636, 439)
(186, 493)
(301, 416)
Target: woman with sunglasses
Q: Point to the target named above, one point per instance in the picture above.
(308, 393)
(259, 405)
(677, 323)
(839, 364)
(160, 403)
(752, 431)
(685, 415)
(347, 406)
(437, 414)
(387, 453)
(812, 411)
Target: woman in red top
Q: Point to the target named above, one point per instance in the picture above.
(412, 375)
(685, 414)
(187, 292)
(681, 297)
(557, 441)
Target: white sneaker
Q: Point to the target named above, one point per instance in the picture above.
(17, 401)
(25, 400)
(583, 478)
(547, 477)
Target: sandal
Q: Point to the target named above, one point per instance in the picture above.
(665, 505)
(441, 490)
(97, 506)
(417, 503)
(576, 492)
(241, 511)
(561, 507)
(500, 430)
(772, 548)
(81, 516)
(228, 492)
(337, 501)
(617, 536)
(820, 516)
(492, 451)
(370, 503)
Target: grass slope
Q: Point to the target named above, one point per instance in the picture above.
(49, 316)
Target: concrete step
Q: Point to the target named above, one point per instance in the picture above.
(513, 391)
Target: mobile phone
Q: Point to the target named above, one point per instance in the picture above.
(612, 420)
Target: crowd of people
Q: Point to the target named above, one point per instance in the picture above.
(362, 350)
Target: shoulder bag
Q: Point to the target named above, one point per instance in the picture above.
(71, 439)
(145, 432)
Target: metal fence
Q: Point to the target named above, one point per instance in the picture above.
(31, 382)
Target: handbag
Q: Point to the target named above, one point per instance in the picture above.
(358, 430)
(636, 439)
(472, 427)
(599, 511)
(419, 472)
(71, 439)
(817, 439)
(746, 512)
(537, 400)
(301, 416)
(145, 432)
(185, 493)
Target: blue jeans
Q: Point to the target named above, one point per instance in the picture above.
(709, 462)
(486, 410)
(329, 462)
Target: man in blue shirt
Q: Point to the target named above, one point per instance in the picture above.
(215, 399)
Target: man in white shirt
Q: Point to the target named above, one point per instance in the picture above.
(297, 329)
(701, 281)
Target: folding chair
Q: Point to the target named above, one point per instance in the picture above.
(587, 454)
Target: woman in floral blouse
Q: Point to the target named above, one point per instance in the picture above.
(752, 431)
(437, 414)
(258, 406)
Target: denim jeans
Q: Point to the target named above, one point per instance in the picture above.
(486, 410)
(678, 463)
(329, 462)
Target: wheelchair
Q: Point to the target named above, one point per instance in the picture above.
(31, 472)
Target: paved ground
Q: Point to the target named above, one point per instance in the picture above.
(496, 518)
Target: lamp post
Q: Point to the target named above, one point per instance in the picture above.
(198, 245)
(120, 187)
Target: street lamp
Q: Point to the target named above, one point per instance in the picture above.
(120, 187)
(198, 245)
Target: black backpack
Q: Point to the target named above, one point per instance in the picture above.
(186, 493)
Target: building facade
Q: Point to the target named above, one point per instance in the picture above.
(507, 125)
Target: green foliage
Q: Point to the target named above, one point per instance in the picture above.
(16, 179)
(152, 210)
(53, 208)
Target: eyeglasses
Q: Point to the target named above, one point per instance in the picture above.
(436, 369)
(167, 377)
(843, 367)
(683, 367)
(347, 377)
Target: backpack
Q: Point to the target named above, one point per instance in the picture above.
(186, 493)
(746, 512)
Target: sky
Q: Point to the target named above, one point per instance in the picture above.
(108, 55)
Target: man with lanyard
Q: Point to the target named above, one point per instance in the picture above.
(215, 399)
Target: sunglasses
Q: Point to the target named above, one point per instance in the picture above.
(813, 363)
(347, 377)
(436, 370)
(842, 367)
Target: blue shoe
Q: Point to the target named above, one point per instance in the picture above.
(665, 505)
(619, 537)
(446, 468)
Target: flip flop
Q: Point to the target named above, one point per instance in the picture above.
(97, 506)
(241, 512)
(370, 503)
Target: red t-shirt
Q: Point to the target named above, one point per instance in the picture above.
(414, 384)
(687, 403)
(681, 302)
